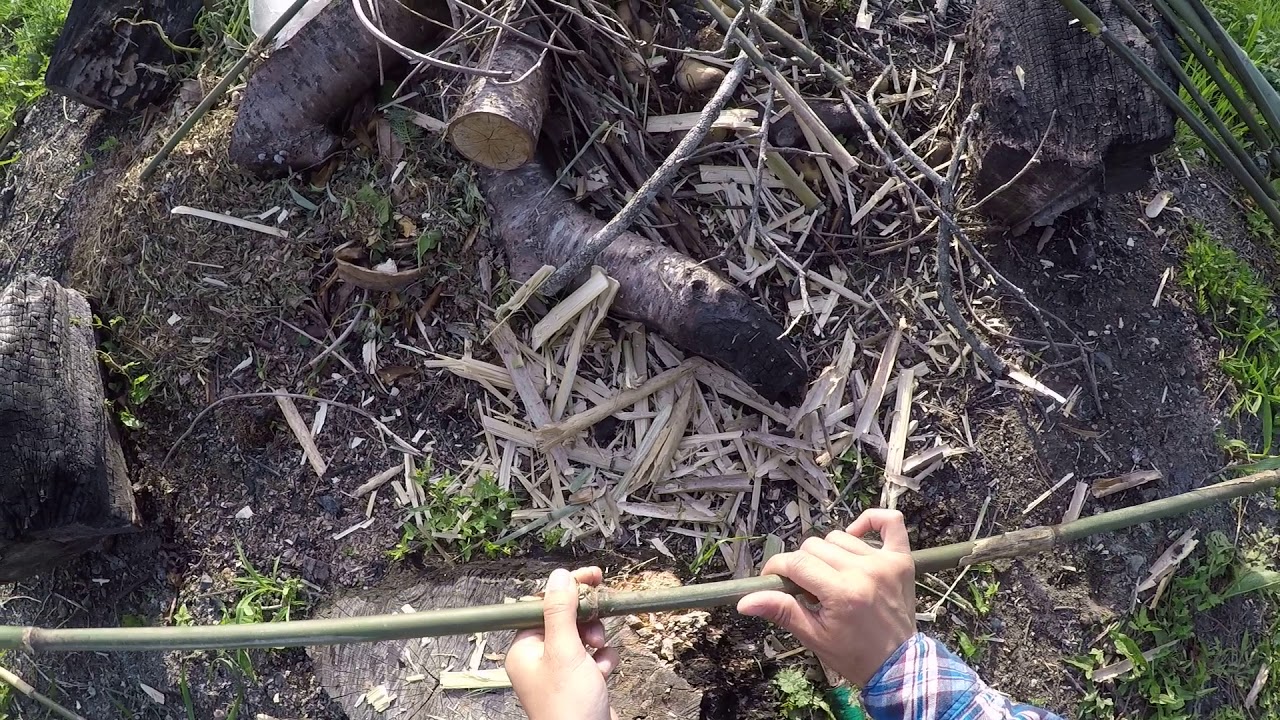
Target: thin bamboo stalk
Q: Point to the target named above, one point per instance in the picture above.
(1236, 60)
(595, 603)
(221, 88)
(1261, 137)
(1175, 66)
(1094, 25)
(25, 688)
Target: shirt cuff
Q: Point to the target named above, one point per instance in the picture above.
(921, 680)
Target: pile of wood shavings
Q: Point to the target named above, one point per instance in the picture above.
(630, 437)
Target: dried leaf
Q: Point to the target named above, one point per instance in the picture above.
(378, 280)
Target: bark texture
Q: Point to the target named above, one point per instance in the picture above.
(690, 305)
(63, 484)
(105, 59)
(497, 125)
(1032, 66)
(293, 99)
(641, 686)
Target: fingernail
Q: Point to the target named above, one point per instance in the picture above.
(560, 580)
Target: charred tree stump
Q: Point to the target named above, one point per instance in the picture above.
(63, 484)
(1041, 78)
(110, 55)
(292, 99)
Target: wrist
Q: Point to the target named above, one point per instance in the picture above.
(894, 657)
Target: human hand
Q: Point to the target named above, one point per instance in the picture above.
(554, 676)
(866, 596)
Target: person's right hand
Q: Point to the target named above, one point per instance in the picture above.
(866, 596)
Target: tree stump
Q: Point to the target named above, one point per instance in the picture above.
(641, 687)
(1039, 76)
(110, 55)
(63, 484)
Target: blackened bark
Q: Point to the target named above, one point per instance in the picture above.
(63, 484)
(1033, 68)
(109, 57)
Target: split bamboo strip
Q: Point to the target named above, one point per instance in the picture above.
(596, 603)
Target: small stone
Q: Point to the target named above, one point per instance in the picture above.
(330, 505)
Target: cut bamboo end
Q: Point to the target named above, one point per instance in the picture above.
(492, 140)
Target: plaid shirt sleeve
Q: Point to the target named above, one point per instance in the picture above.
(923, 680)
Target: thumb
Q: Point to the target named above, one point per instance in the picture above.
(781, 609)
(560, 617)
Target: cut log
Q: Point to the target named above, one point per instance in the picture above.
(689, 304)
(1039, 76)
(63, 485)
(292, 100)
(497, 123)
(642, 686)
(110, 55)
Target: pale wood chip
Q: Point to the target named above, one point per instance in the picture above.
(1169, 560)
(731, 119)
(561, 432)
(1103, 487)
(378, 480)
(230, 220)
(302, 433)
(1045, 495)
(1077, 503)
(898, 440)
(875, 391)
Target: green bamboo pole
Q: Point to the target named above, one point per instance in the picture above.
(596, 603)
(221, 88)
(1235, 58)
(1261, 137)
(1094, 25)
(1149, 31)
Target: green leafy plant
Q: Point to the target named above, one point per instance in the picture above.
(1187, 665)
(261, 597)
(223, 30)
(798, 698)
(28, 29)
(463, 519)
(1240, 304)
(5, 690)
(127, 383)
(971, 648)
(984, 591)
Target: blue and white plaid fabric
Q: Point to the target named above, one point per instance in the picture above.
(923, 680)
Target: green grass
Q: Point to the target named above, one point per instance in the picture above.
(28, 29)
(464, 521)
(222, 30)
(1196, 662)
(1240, 304)
(260, 597)
(1255, 26)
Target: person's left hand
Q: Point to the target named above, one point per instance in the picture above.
(554, 676)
